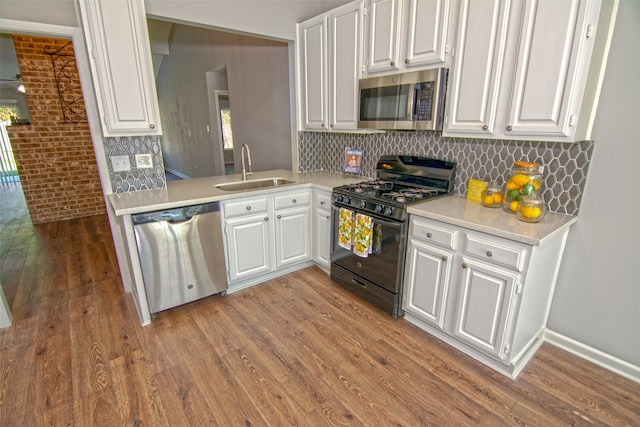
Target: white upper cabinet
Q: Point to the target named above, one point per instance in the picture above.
(406, 34)
(520, 69)
(329, 59)
(550, 74)
(118, 43)
(477, 67)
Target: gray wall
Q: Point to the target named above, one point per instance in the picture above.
(258, 85)
(597, 299)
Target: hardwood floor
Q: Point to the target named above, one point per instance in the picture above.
(296, 350)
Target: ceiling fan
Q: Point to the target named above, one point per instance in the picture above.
(17, 82)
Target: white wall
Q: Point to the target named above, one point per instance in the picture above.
(57, 12)
(597, 299)
(269, 18)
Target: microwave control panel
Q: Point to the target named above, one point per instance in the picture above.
(423, 108)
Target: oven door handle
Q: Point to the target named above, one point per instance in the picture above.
(378, 220)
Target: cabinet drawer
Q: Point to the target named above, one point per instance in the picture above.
(323, 200)
(499, 252)
(245, 206)
(291, 200)
(432, 233)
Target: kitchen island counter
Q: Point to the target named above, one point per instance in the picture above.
(457, 210)
(203, 190)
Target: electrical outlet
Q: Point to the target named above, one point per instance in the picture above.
(120, 163)
(143, 161)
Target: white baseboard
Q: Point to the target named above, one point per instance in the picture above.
(600, 358)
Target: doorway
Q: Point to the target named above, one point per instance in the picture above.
(54, 150)
(223, 111)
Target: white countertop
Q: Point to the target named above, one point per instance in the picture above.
(203, 190)
(457, 210)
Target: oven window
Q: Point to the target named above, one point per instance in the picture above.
(381, 266)
(385, 103)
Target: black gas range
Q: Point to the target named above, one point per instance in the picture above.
(377, 275)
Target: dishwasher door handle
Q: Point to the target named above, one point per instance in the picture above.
(180, 221)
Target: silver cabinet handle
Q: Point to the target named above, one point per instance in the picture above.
(464, 265)
(429, 235)
(248, 208)
(406, 61)
(489, 254)
(444, 258)
(266, 218)
(509, 128)
(485, 127)
(322, 202)
(279, 216)
(392, 63)
(293, 200)
(152, 126)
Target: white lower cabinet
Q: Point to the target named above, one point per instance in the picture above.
(266, 236)
(485, 295)
(322, 229)
(248, 246)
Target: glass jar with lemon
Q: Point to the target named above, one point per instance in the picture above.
(531, 208)
(525, 179)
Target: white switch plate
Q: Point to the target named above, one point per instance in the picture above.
(120, 163)
(143, 161)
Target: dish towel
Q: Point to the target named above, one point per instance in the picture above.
(345, 228)
(362, 235)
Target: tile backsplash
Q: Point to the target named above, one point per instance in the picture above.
(565, 165)
(135, 179)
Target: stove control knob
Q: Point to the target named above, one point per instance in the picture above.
(379, 208)
(388, 211)
(362, 204)
(338, 198)
(346, 200)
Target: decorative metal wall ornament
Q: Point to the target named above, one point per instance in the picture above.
(66, 76)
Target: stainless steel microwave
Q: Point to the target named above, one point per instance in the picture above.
(406, 101)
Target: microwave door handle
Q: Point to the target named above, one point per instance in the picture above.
(416, 102)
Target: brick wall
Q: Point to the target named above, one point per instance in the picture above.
(55, 156)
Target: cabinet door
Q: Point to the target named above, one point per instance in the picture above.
(477, 70)
(383, 41)
(293, 236)
(313, 73)
(427, 277)
(345, 58)
(248, 246)
(549, 67)
(322, 237)
(120, 54)
(426, 32)
(485, 309)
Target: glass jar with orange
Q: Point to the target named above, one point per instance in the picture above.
(525, 179)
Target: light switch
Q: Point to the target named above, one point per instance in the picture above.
(143, 161)
(120, 163)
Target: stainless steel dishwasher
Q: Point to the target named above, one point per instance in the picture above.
(181, 254)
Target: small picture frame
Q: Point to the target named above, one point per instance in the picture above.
(352, 160)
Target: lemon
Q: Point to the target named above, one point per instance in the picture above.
(530, 212)
(520, 179)
(497, 198)
(513, 206)
(512, 185)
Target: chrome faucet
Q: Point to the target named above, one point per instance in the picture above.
(245, 149)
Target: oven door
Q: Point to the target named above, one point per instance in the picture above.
(382, 267)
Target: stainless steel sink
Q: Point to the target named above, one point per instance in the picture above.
(252, 185)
